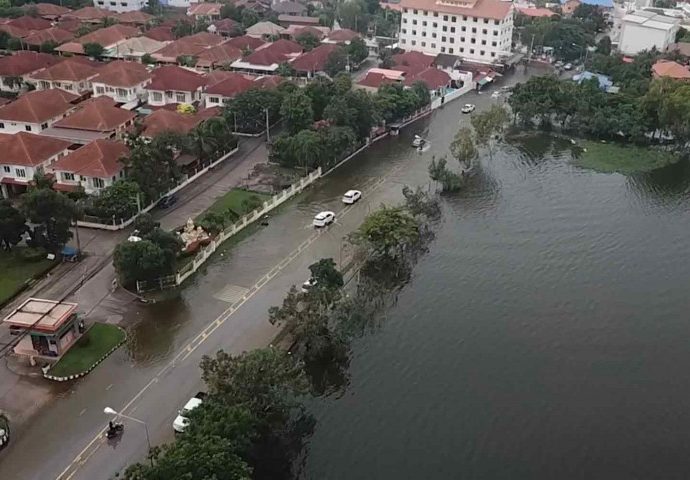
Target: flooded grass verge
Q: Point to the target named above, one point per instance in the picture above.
(100, 339)
(624, 159)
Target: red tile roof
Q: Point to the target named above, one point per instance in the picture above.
(175, 78)
(120, 73)
(164, 120)
(535, 12)
(28, 149)
(70, 24)
(192, 45)
(30, 23)
(134, 17)
(219, 55)
(272, 53)
(232, 84)
(204, 9)
(432, 77)
(495, 9)
(97, 116)
(343, 35)
(245, 41)
(668, 68)
(227, 25)
(50, 10)
(375, 80)
(13, 31)
(110, 35)
(52, 34)
(162, 34)
(308, 30)
(412, 62)
(268, 81)
(89, 14)
(24, 62)
(100, 158)
(314, 60)
(67, 70)
(38, 106)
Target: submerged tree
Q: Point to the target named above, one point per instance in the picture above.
(463, 148)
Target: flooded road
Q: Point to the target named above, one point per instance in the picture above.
(158, 370)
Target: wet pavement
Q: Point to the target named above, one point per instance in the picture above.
(223, 306)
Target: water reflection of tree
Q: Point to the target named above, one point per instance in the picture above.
(667, 185)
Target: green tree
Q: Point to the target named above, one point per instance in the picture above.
(422, 92)
(54, 214)
(386, 58)
(342, 83)
(118, 200)
(211, 139)
(47, 47)
(328, 277)
(336, 62)
(308, 40)
(147, 59)
(320, 91)
(285, 70)
(14, 44)
(357, 51)
(297, 112)
(152, 166)
(248, 109)
(182, 28)
(137, 261)
(145, 224)
(93, 50)
(439, 172)
(352, 16)
(12, 225)
(4, 39)
(186, 60)
(463, 148)
(489, 124)
(308, 149)
(388, 232)
(228, 10)
(249, 18)
(604, 45)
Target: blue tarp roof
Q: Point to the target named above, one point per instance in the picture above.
(604, 82)
(601, 3)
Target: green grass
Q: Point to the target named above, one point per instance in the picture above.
(16, 272)
(95, 343)
(233, 200)
(613, 157)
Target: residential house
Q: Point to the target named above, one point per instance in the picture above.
(265, 30)
(256, 6)
(288, 7)
(170, 121)
(313, 61)
(267, 58)
(13, 31)
(376, 77)
(287, 20)
(72, 25)
(119, 6)
(453, 66)
(642, 30)
(295, 31)
(53, 35)
(412, 62)
(96, 118)
(190, 46)
(206, 11)
(534, 12)
(226, 27)
(670, 69)
(30, 23)
(136, 47)
(92, 15)
(134, 18)
(160, 33)
(122, 81)
(15, 69)
(173, 84)
(35, 111)
(341, 36)
(49, 11)
(110, 38)
(23, 155)
(218, 56)
(92, 167)
(268, 82)
(246, 42)
(71, 75)
(436, 81)
(223, 86)
(478, 30)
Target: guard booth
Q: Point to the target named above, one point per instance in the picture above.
(44, 328)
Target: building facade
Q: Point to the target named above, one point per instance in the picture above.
(642, 30)
(476, 30)
(120, 6)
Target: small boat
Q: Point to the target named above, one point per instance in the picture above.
(418, 141)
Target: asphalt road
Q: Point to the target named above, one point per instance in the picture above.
(224, 306)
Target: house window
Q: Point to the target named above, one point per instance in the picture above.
(27, 128)
(169, 95)
(44, 85)
(2, 125)
(157, 97)
(6, 169)
(68, 176)
(98, 182)
(121, 92)
(67, 86)
(214, 99)
(44, 125)
(100, 90)
(20, 172)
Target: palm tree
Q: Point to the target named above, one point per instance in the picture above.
(308, 148)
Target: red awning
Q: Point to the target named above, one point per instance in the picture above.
(62, 187)
(12, 181)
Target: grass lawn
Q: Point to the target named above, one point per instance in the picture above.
(95, 343)
(16, 271)
(613, 157)
(234, 200)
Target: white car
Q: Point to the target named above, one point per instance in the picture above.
(496, 94)
(308, 285)
(568, 66)
(181, 421)
(323, 219)
(467, 108)
(351, 196)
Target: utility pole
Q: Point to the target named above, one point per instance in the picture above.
(531, 47)
(234, 116)
(268, 128)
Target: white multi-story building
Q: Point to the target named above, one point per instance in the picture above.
(476, 30)
(120, 6)
(642, 30)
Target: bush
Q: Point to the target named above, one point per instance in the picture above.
(33, 254)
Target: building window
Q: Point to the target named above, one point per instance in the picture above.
(6, 169)
(463, 29)
(435, 14)
(423, 44)
(483, 42)
(414, 22)
(474, 19)
(157, 96)
(474, 30)
(452, 29)
(484, 31)
(445, 18)
(445, 29)
(443, 49)
(20, 172)
(433, 45)
(452, 39)
(495, 33)
(27, 128)
(404, 30)
(433, 35)
(443, 39)
(414, 32)
(435, 25)
(403, 41)
(100, 90)
(2, 125)
(424, 23)
(169, 95)
(413, 42)
(493, 54)
(462, 50)
(464, 18)
(471, 51)
(404, 10)
(415, 12)
(424, 34)
(44, 125)
(462, 39)
(404, 20)
(453, 19)
(98, 182)
(496, 22)
(214, 99)
(180, 98)
(473, 40)
(124, 4)
(486, 20)
(493, 44)
(121, 92)
(482, 53)
(113, 4)
(450, 50)
(68, 176)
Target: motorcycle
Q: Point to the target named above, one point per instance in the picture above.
(114, 430)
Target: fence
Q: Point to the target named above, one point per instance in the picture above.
(171, 281)
(448, 97)
(113, 224)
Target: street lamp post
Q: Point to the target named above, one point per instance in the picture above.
(111, 411)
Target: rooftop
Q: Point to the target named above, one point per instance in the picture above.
(288, 6)
(226, 25)
(245, 41)
(28, 149)
(164, 120)
(134, 17)
(343, 35)
(53, 34)
(120, 73)
(162, 34)
(24, 62)
(89, 14)
(494, 9)
(412, 62)
(100, 158)
(38, 106)
(30, 23)
(175, 78)
(204, 9)
(314, 60)
(50, 10)
(264, 29)
(43, 315)
(273, 53)
(230, 84)
(99, 115)
(219, 55)
(296, 30)
(668, 68)
(298, 19)
(651, 20)
(432, 77)
(109, 36)
(535, 12)
(67, 70)
(139, 46)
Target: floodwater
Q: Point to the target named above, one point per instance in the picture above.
(544, 336)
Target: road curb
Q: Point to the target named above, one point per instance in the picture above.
(46, 373)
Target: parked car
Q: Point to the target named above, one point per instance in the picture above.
(467, 108)
(496, 94)
(181, 421)
(167, 201)
(323, 219)
(308, 285)
(558, 64)
(351, 196)
(568, 66)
